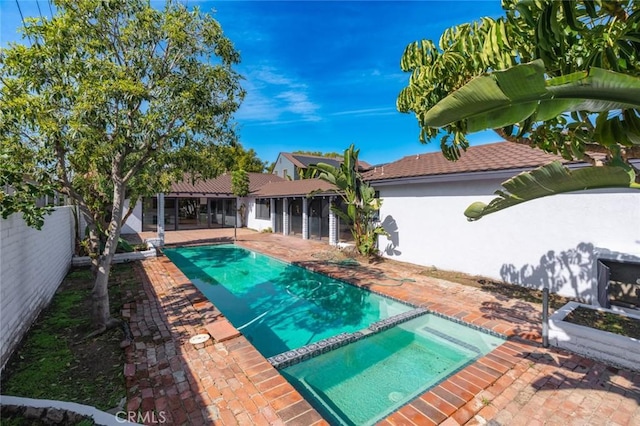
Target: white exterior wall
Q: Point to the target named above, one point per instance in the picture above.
(282, 164)
(252, 222)
(133, 224)
(551, 241)
(32, 265)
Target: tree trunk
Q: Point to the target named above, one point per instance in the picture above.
(94, 245)
(101, 313)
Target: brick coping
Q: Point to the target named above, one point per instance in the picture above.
(234, 384)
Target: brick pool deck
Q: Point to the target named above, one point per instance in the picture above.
(225, 381)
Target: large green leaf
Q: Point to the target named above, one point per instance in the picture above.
(553, 179)
(491, 94)
(508, 97)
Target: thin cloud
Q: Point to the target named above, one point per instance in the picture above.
(275, 98)
(366, 112)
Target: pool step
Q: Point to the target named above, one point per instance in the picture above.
(306, 352)
(386, 323)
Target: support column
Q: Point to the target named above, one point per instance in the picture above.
(272, 213)
(285, 216)
(305, 218)
(333, 225)
(160, 212)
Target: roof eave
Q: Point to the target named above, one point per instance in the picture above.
(460, 176)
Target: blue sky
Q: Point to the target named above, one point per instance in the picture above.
(321, 75)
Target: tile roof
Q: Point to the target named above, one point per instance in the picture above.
(294, 188)
(490, 157)
(221, 185)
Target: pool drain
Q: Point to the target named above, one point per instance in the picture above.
(199, 338)
(395, 396)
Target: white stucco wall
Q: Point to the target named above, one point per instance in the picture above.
(550, 241)
(252, 222)
(282, 163)
(32, 265)
(133, 224)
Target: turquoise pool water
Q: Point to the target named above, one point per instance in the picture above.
(281, 308)
(278, 306)
(363, 382)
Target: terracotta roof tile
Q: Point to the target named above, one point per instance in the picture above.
(491, 157)
(221, 185)
(295, 188)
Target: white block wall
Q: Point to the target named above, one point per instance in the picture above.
(32, 265)
(252, 222)
(552, 241)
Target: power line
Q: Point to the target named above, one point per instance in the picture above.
(20, 10)
(22, 17)
(39, 11)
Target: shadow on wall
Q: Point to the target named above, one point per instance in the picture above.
(391, 226)
(572, 273)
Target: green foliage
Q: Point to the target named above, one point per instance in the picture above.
(362, 206)
(240, 183)
(568, 37)
(522, 93)
(308, 173)
(270, 167)
(20, 191)
(560, 76)
(319, 154)
(117, 91)
(553, 179)
(235, 157)
(114, 100)
(53, 359)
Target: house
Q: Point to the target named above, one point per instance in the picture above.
(289, 165)
(563, 243)
(195, 205)
(298, 207)
(556, 242)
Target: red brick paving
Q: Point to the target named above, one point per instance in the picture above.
(230, 383)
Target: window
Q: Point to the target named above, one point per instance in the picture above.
(263, 210)
(285, 174)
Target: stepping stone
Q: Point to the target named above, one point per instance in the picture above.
(222, 330)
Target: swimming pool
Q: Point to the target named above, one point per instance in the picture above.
(356, 356)
(279, 307)
(363, 382)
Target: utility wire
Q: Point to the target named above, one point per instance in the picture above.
(22, 17)
(39, 11)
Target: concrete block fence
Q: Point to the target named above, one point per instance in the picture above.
(32, 265)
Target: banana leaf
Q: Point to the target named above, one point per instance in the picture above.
(502, 98)
(551, 179)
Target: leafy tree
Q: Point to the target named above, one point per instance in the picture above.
(559, 76)
(113, 100)
(235, 157)
(240, 188)
(359, 197)
(240, 183)
(319, 154)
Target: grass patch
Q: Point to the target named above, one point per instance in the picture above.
(512, 291)
(605, 321)
(56, 361)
